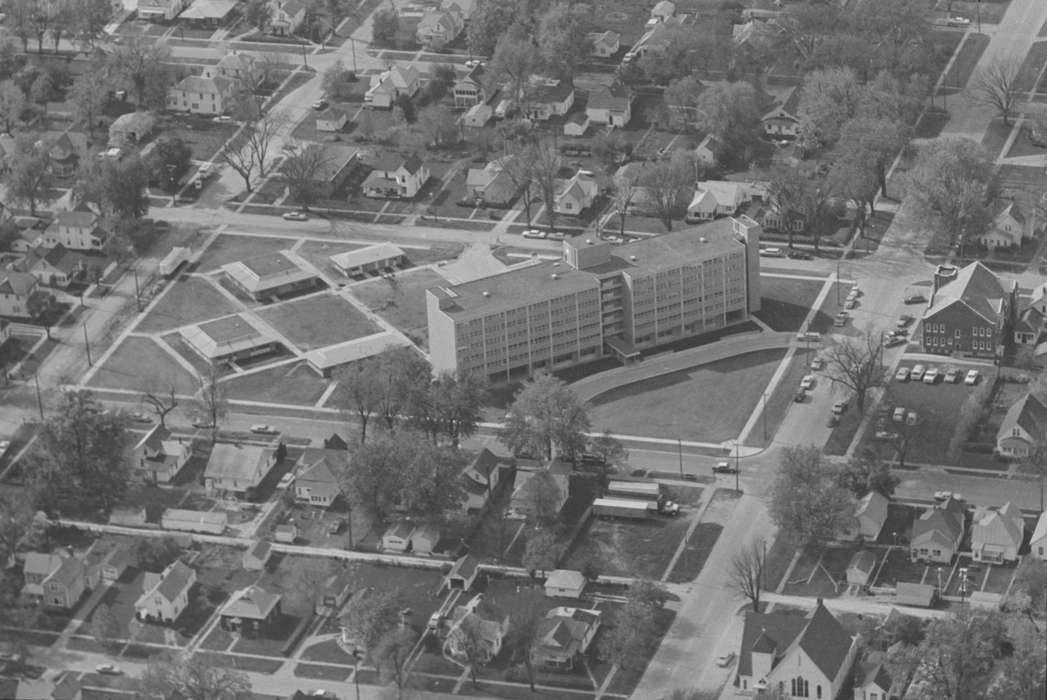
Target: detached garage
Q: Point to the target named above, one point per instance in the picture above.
(564, 583)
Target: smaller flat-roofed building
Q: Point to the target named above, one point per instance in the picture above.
(269, 276)
(208, 13)
(326, 360)
(373, 258)
(230, 338)
(212, 522)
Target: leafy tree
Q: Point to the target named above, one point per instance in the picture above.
(16, 522)
(865, 472)
(687, 50)
(731, 113)
(193, 677)
(79, 463)
(513, 63)
(12, 104)
(20, 14)
(490, 20)
(155, 554)
(302, 585)
(855, 364)
(898, 31)
(169, 161)
(301, 166)
(116, 187)
(385, 23)
(1021, 674)
(139, 63)
(546, 414)
(954, 184)
(609, 148)
(609, 448)
(868, 146)
(623, 193)
(88, 95)
(805, 501)
(255, 153)
(542, 551)
(105, 628)
(830, 97)
(429, 484)
(374, 481)
(521, 170)
(405, 375)
(90, 18)
(457, 401)
(438, 126)
(893, 99)
(648, 594)
(681, 101)
(1029, 590)
(563, 38)
(524, 630)
(668, 184)
(370, 615)
(338, 81)
(42, 89)
(258, 14)
(441, 79)
(745, 576)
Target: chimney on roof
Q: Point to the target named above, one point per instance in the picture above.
(555, 276)
(486, 294)
(703, 239)
(633, 258)
(944, 274)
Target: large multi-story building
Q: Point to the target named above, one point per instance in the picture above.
(597, 300)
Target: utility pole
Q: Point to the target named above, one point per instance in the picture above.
(737, 467)
(40, 406)
(763, 416)
(679, 449)
(87, 346)
(138, 292)
(837, 282)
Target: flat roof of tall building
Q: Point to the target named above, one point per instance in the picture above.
(510, 289)
(693, 243)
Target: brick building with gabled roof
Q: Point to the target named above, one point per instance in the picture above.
(970, 311)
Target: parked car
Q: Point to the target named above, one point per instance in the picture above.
(800, 396)
(320, 104)
(807, 382)
(638, 472)
(724, 468)
(109, 670)
(850, 304)
(839, 407)
(961, 22)
(931, 376)
(295, 216)
(895, 342)
(771, 252)
(799, 255)
(952, 375)
(591, 458)
(203, 423)
(137, 417)
(904, 320)
(911, 418)
(972, 377)
(834, 420)
(4, 446)
(898, 333)
(917, 373)
(725, 660)
(915, 298)
(534, 233)
(899, 414)
(263, 429)
(817, 364)
(285, 480)
(690, 477)
(840, 319)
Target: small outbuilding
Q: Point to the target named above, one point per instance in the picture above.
(424, 539)
(286, 533)
(920, 595)
(565, 583)
(861, 568)
(463, 574)
(257, 556)
(397, 539)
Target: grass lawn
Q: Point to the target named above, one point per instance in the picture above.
(319, 254)
(625, 680)
(191, 301)
(401, 303)
(996, 579)
(677, 405)
(318, 321)
(966, 60)
(698, 548)
(628, 548)
(436, 253)
(137, 360)
(996, 136)
(244, 663)
(843, 434)
(898, 568)
(293, 383)
(785, 303)
(1031, 67)
(328, 651)
(1022, 146)
(201, 134)
(781, 400)
(825, 578)
(121, 598)
(230, 248)
(321, 673)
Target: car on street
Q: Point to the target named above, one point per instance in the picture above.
(724, 468)
(899, 414)
(839, 407)
(917, 373)
(204, 423)
(591, 458)
(555, 236)
(904, 320)
(139, 417)
(263, 429)
(952, 375)
(931, 375)
(841, 319)
(473, 63)
(960, 22)
(915, 298)
(799, 255)
(911, 417)
(109, 670)
(320, 104)
(800, 396)
(807, 382)
(898, 333)
(725, 660)
(771, 252)
(4, 445)
(690, 477)
(534, 233)
(850, 304)
(638, 472)
(295, 216)
(222, 119)
(834, 420)
(285, 480)
(940, 496)
(972, 377)
(895, 342)
(817, 364)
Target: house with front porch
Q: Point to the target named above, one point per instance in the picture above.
(165, 595)
(250, 612)
(937, 533)
(1023, 429)
(316, 481)
(235, 468)
(395, 177)
(388, 85)
(159, 456)
(20, 295)
(563, 637)
(997, 534)
(208, 93)
(77, 229)
(286, 16)
(468, 90)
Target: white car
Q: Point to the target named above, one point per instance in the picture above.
(4, 444)
(807, 382)
(959, 22)
(917, 373)
(534, 233)
(899, 414)
(817, 363)
(931, 376)
(911, 418)
(902, 375)
(555, 236)
(972, 377)
(725, 660)
(109, 670)
(263, 429)
(295, 216)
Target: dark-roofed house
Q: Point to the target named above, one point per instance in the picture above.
(208, 13)
(563, 636)
(257, 556)
(395, 177)
(336, 165)
(605, 44)
(550, 99)
(166, 595)
(612, 106)
(159, 456)
(270, 275)
(492, 185)
(65, 152)
(480, 478)
(20, 295)
(1032, 317)
(131, 128)
(937, 533)
(969, 312)
(235, 468)
(250, 611)
(54, 267)
(1023, 429)
(801, 657)
(784, 119)
(316, 480)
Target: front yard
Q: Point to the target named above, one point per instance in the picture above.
(229, 248)
(288, 383)
(189, 300)
(785, 303)
(318, 321)
(138, 362)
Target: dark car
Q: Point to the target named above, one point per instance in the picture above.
(895, 341)
(724, 468)
(638, 472)
(800, 396)
(799, 255)
(690, 477)
(591, 458)
(834, 420)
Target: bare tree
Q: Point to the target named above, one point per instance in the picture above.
(547, 164)
(392, 657)
(667, 183)
(362, 389)
(211, 400)
(253, 154)
(855, 364)
(745, 575)
(996, 85)
(624, 192)
(193, 677)
(301, 165)
(520, 169)
(160, 400)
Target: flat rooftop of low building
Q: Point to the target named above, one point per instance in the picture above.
(513, 288)
(228, 329)
(271, 264)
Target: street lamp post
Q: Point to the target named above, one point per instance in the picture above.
(837, 282)
(356, 672)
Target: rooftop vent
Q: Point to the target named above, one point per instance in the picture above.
(633, 258)
(555, 276)
(588, 241)
(486, 294)
(703, 239)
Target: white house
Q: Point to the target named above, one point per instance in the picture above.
(332, 119)
(1038, 541)
(480, 478)
(576, 125)
(388, 85)
(937, 533)
(159, 456)
(784, 121)
(76, 230)
(1023, 428)
(577, 194)
(201, 94)
(316, 480)
(439, 27)
(20, 294)
(565, 583)
(1009, 228)
(708, 152)
(872, 682)
(800, 657)
(394, 177)
(159, 10)
(131, 128)
(996, 535)
(612, 106)
(475, 624)
(397, 538)
(286, 16)
(715, 198)
(165, 595)
(870, 514)
(605, 44)
(468, 90)
(550, 98)
(235, 467)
